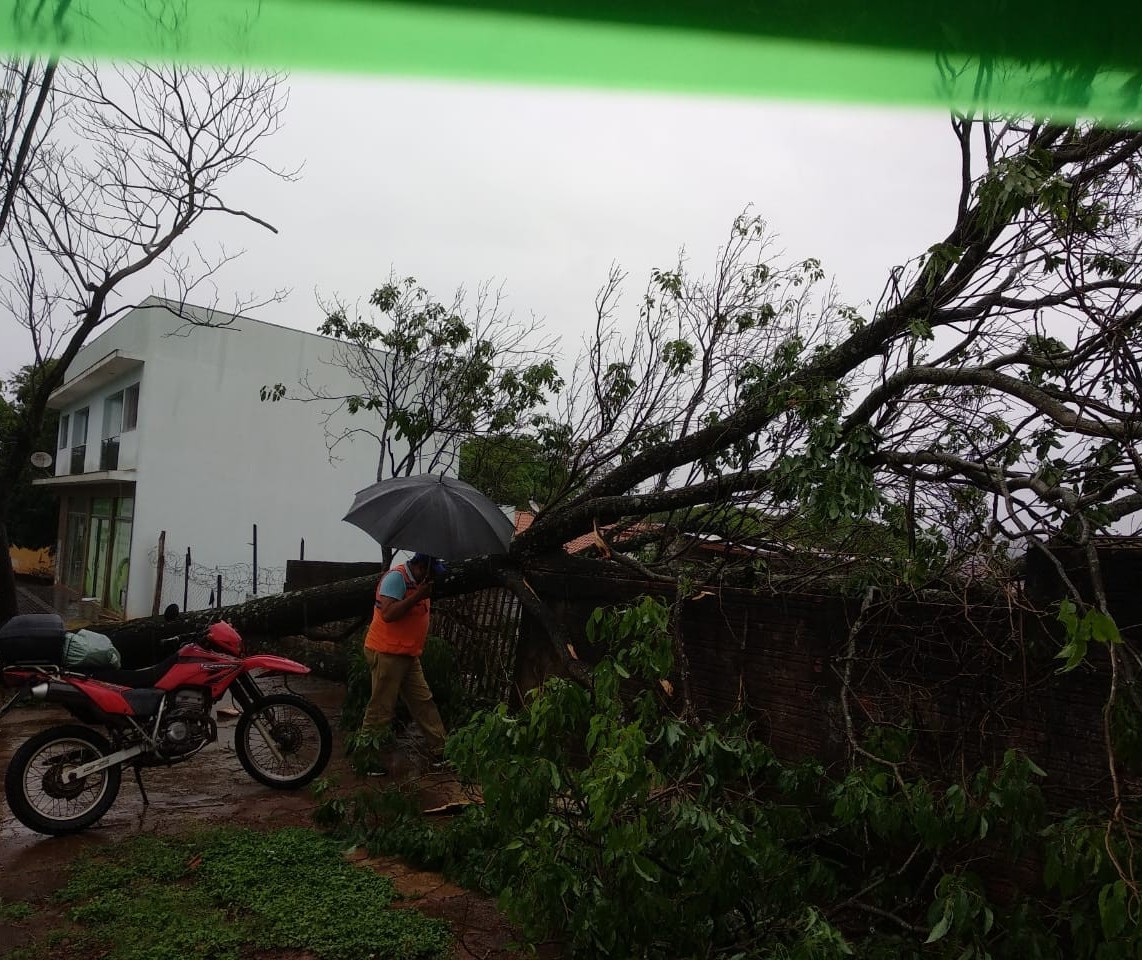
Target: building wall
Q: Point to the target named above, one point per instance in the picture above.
(32, 563)
(213, 459)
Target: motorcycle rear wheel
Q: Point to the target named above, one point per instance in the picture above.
(37, 794)
(300, 734)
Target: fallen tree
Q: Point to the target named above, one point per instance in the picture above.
(146, 640)
(990, 400)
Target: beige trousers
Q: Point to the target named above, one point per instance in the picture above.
(396, 674)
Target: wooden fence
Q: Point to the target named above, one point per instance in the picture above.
(481, 628)
(970, 680)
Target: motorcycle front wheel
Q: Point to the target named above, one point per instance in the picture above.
(283, 741)
(37, 789)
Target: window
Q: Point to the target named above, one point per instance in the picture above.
(79, 441)
(130, 407)
(79, 428)
(63, 422)
(113, 415)
(112, 424)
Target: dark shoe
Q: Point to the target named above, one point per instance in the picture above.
(439, 764)
(376, 770)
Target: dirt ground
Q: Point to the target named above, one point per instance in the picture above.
(212, 788)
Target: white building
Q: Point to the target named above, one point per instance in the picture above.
(162, 429)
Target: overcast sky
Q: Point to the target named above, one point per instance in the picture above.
(544, 188)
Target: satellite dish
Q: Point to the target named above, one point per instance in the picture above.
(41, 459)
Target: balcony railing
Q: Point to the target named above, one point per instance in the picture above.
(78, 458)
(109, 454)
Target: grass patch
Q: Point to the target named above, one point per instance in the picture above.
(13, 911)
(211, 894)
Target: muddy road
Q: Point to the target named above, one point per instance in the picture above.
(212, 789)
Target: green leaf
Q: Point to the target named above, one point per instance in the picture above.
(1112, 908)
(943, 925)
(1103, 628)
(643, 871)
(1068, 617)
(1074, 653)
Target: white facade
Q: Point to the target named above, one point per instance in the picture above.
(203, 460)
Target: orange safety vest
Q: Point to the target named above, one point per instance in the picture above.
(404, 636)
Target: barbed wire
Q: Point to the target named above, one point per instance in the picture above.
(199, 586)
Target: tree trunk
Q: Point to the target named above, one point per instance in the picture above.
(16, 449)
(146, 641)
(8, 605)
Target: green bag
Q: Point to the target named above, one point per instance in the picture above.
(86, 648)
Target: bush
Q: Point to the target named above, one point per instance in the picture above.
(625, 830)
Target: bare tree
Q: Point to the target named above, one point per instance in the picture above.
(106, 173)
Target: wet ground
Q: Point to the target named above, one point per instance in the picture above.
(212, 788)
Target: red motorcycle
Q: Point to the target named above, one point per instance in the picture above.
(65, 778)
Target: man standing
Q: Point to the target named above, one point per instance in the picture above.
(393, 647)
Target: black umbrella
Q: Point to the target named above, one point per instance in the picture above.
(439, 516)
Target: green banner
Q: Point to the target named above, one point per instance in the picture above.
(997, 55)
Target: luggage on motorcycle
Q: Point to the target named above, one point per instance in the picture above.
(32, 638)
(86, 649)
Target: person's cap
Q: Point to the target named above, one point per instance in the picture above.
(431, 563)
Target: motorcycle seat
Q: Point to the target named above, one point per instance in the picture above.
(135, 679)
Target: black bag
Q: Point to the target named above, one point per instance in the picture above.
(32, 638)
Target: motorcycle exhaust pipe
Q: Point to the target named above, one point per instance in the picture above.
(58, 692)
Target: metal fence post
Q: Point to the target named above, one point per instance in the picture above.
(186, 580)
(162, 559)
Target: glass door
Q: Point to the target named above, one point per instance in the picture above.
(75, 544)
(120, 567)
(98, 550)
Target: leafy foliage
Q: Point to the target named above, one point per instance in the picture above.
(14, 911)
(431, 375)
(628, 831)
(512, 469)
(32, 510)
(1094, 624)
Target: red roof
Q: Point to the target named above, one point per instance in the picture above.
(525, 518)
